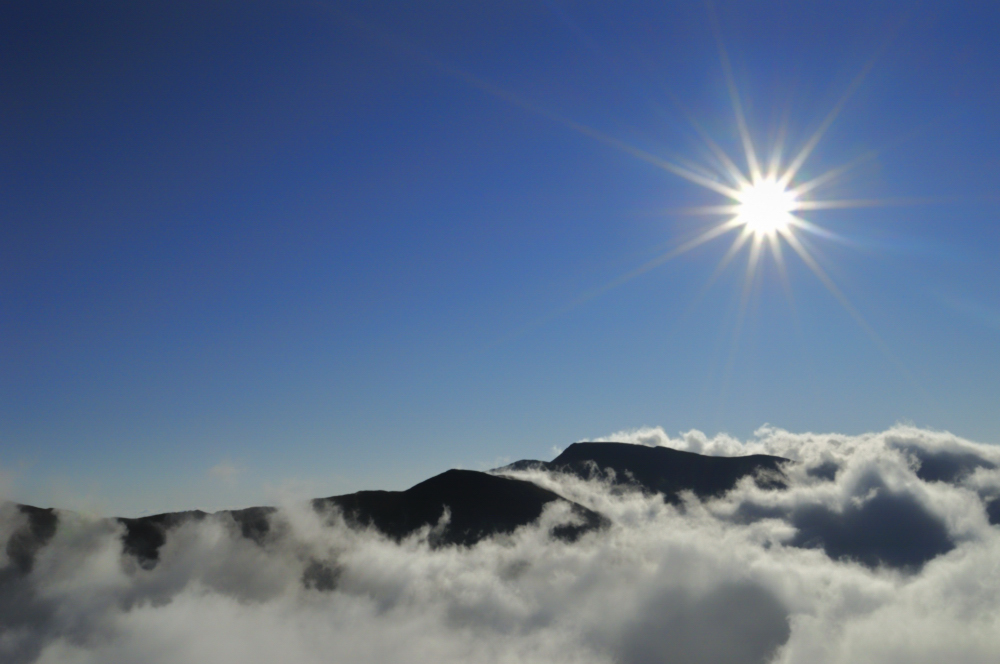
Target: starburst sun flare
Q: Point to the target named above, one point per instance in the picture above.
(762, 200)
(762, 204)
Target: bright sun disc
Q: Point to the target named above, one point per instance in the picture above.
(765, 207)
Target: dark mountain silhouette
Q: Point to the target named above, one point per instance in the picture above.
(661, 469)
(479, 504)
(886, 528)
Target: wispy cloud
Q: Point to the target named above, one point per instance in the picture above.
(226, 471)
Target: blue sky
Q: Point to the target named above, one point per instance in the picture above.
(322, 247)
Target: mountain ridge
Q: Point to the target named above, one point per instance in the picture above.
(479, 504)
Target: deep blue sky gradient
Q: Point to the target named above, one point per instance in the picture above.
(298, 240)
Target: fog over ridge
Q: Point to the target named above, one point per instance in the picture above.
(880, 548)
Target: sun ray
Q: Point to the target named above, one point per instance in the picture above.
(710, 234)
(704, 210)
(819, 231)
(744, 236)
(844, 203)
(748, 282)
(741, 123)
(591, 132)
(833, 173)
(699, 240)
(821, 274)
(808, 259)
(786, 283)
(779, 258)
(527, 105)
(729, 167)
(836, 172)
(701, 169)
(810, 145)
(749, 279)
(774, 164)
(690, 176)
(752, 261)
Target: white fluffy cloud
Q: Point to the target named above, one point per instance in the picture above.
(755, 576)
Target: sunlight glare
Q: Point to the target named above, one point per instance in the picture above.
(765, 207)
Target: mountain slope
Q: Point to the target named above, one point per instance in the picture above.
(479, 504)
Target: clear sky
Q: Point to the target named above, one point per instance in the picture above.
(253, 247)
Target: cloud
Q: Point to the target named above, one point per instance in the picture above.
(879, 550)
(225, 471)
(887, 528)
(735, 622)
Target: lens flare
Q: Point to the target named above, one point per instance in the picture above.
(762, 204)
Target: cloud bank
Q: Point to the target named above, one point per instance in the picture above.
(882, 548)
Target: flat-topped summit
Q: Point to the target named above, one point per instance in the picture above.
(661, 469)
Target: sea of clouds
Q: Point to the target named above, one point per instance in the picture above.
(880, 550)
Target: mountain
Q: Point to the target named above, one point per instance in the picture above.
(478, 504)
(145, 535)
(660, 469)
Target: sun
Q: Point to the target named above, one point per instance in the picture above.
(765, 207)
(765, 201)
